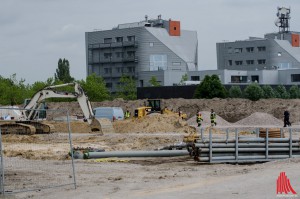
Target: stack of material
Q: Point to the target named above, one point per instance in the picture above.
(272, 133)
(244, 149)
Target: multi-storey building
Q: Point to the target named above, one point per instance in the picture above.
(151, 48)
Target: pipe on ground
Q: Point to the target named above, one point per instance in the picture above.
(128, 154)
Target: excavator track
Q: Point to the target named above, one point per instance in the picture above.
(41, 127)
(17, 128)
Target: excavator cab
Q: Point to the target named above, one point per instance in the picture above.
(155, 105)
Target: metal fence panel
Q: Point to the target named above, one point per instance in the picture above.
(31, 157)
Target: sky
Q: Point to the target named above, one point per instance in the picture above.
(34, 34)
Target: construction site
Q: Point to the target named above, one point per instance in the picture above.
(251, 149)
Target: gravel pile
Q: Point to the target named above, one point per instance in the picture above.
(206, 120)
(260, 119)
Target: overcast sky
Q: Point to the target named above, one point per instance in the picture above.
(34, 34)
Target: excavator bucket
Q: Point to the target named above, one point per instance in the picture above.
(102, 125)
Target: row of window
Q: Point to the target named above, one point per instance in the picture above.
(244, 79)
(118, 39)
(247, 62)
(247, 49)
(119, 54)
(130, 69)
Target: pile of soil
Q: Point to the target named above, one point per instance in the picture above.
(260, 119)
(153, 123)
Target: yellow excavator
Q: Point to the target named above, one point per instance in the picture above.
(154, 106)
(27, 122)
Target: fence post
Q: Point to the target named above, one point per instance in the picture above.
(267, 143)
(210, 146)
(236, 145)
(291, 143)
(71, 148)
(2, 165)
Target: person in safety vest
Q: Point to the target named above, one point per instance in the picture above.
(213, 118)
(127, 114)
(199, 119)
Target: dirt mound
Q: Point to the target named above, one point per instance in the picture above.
(260, 119)
(152, 124)
(206, 120)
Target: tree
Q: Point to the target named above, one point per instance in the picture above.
(153, 81)
(253, 92)
(95, 88)
(235, 92)
(268, 92)
(210, 87)
(183, 79)
(281, 92)
(13, 91)
(127, 88)
(63, 72)
(294, 92)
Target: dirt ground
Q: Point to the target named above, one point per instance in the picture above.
(154, 177)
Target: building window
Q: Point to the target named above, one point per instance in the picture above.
(255, 78)
(131, 38)
(195, 78)
(238, 50)
(119, 39)
(238, 63)
(130, 54)
(250, 49)
(229, 62)
(295, 77)
(239, 79)
(108, 85)
(229, 50)
(176, 63)
(119, 54)
(130, 69)
(261, 61)
(107, 55)
(158, 62)
(151, 44)
(119, 69)
(107, 70)
(261, 48)
(107, 40)
(250, 62)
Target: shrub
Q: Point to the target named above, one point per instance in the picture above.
(254, 92)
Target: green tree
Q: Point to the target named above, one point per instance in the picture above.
(294, 92)
(95, 88)
(153, 81)
(254, 92)
(235, 92)
(13, 91)
(210, 87)
(183, 79)
(127, 88)
(281, 92)
(268, 92)
(63, 72)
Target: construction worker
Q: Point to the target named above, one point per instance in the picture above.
(127, 114)
(213, 118)
(199, 119)
(286, 118)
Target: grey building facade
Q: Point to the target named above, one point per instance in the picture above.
(274, 51)
(151, 48)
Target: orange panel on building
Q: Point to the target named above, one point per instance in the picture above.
(295, 40)
(174, 28)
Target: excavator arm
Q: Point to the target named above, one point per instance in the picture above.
(30, 112)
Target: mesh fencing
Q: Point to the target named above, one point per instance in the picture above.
(34, 155)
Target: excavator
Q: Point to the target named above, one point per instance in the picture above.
(154, 106)
(28, 123)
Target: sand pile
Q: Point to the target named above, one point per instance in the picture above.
(152, 124)
(260, 119)
(206, 120)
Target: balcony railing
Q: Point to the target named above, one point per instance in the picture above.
(113, 45)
